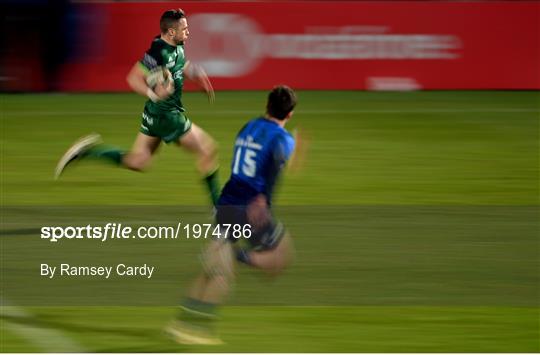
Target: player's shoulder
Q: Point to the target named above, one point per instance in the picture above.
(282, 144)
(160, 48)
(275, 131)
(287, 134)
(280, 139)
(157, 43)
(285, 137)
(252, 123)
(153, 56)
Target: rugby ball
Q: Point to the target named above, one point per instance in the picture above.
(158, 76)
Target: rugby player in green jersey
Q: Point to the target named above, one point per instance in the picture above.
(164, 117)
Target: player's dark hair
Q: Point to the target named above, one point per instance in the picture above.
(281, 101)
(170, 18)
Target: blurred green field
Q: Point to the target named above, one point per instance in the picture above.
(288, 329)
(366, 148)
(463, 279)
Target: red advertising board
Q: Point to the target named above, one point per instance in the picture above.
(326, 45)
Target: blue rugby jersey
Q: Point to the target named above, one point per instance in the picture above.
(261, 150)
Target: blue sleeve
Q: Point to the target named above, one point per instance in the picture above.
(283, 149)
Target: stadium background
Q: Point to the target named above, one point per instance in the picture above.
(415, 215)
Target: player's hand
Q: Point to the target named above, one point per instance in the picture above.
(210, 92)
(197, 74)
(163, 91)
(258, 214)
(301, 145)
(204, 82)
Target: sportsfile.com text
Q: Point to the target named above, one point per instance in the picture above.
(124, 232)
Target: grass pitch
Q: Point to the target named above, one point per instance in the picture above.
(415, 220)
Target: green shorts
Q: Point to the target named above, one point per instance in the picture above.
(168, 125)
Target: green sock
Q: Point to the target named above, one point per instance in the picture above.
(212, 183)
(199, 308)
(198, 313)
(105, 152)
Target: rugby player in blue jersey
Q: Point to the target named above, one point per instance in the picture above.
(261, 150)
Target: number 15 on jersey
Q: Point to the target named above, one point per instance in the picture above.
(245, 159)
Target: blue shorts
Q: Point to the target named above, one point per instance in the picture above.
(266, 237)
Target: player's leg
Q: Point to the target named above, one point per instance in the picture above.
(196, 322)
(90, 147)
(272, 261)
(141, 153)
(271, 248)
(198, 142)
(76, 152)
(146, 143)
(213, 284)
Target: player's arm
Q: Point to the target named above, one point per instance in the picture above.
(298, 155)
(196, 73)
(136, 79)
(151, 62)
(289, 151)
(258, 214)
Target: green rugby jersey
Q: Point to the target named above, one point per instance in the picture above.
(172, 57)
